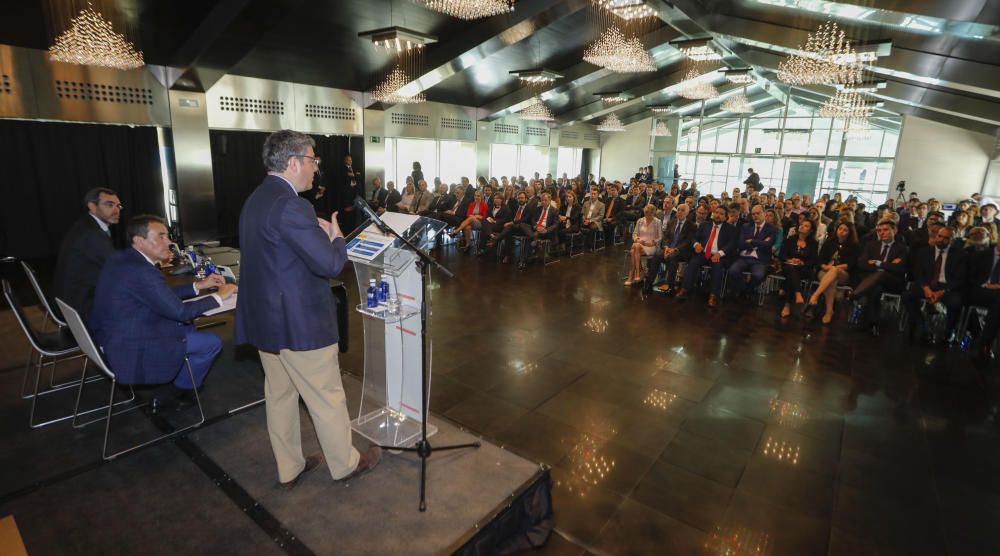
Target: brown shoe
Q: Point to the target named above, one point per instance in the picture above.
(311, 463)
(369, 459)
(713, 300)
(682, 294)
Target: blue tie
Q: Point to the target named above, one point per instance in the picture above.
(677, 234)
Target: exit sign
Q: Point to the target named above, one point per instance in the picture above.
(757, 150)
(376, 139)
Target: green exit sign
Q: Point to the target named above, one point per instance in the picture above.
(376, 139)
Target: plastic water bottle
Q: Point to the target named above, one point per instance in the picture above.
(966, 341)
(383, 290)
(372, 294)
(192, 255)
(855, 317)
(210, 267)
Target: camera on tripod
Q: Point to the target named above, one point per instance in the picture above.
(901, 186)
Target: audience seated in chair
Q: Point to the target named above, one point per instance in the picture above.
(755, 243)
(645, 238)
(676, 247)
(837, 260)
(939, 272)
(714, 245)
(881, 269)
(798, 261)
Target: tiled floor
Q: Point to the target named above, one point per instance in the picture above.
(674, 429)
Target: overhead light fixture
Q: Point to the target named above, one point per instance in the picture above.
(697, 87)
(627, 9)
(92, 41)
(866, 86)
(611, 123)
(742, 76)
(387, 92)
(660, 109)
(615, 98)
(614, 52)
(865, 52)
(826, 59)
(469, 9)
(537, 111)
(738, 104)
(398, 39)
(699, 50)
(661, 130)
(537, 76)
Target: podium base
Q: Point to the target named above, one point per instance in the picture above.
(388, 427)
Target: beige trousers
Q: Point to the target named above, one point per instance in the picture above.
(315, 376)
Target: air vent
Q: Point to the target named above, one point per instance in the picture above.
(456, 123)
(251, 105)
(506, 128)
(330, 112)
(591, 136)
(536, 131)
(571, 135)
(101, 92)
(410, 119)
(5, 86)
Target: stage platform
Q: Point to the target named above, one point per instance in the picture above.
(213, 491)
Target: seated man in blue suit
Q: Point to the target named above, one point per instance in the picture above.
(714, 244)
(141, 324)
(755, 245)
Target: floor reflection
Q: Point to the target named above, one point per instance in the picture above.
(789, 414)
(738, 541)
(588, 466)
(781, 451)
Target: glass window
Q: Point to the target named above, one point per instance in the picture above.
(503, 160)
(390, 163)
(728, 138)
(569, 161)
(409, 151)
(795, 142)
(534, 159)
(818, 139)
(458, 160)
(867, 145)
(889, 143)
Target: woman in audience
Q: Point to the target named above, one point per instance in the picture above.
(644, 239)
(817, 220)
(837, 259)
(960, 226)
(675, 193)
(798, 258)
(773, 217)
(404, 203)
(477, 211)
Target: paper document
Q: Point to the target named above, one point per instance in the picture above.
(227, 305)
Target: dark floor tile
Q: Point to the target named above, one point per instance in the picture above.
(590, 416)
(889, 523)
(484, 414)
(533, 383)
(724, 426)
(556, 546)
(641, 530)
(606, 463)
(447, 392)
(707, 458)
(770, 528)
(688, 387)
(581, 507)
(817, 456)
(969, 517)
(539, 437)
(786, 483)
(684, 496)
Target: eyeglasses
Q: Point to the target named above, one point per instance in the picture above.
(316, 160)
(109, 204)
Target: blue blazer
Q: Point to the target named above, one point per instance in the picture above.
(764, 241)
(286, 262)
(139, 321)
(727, 239)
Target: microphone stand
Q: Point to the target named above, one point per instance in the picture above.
(423, 447)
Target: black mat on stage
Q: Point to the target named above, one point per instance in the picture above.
(377, 513)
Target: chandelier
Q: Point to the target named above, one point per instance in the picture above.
(387, 92)
(614, 52)
(469, 9)
(696, 87)
(846, 104)
(626, 9)
(699, 50)
(398, 40)
(536, 111)
(738, 104)
(611, 123)
(661, 130)
(740, 76)
(92, 41)
(827, 59)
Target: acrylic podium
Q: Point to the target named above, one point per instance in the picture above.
(391, 409)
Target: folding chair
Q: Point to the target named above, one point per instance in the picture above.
(90, 349)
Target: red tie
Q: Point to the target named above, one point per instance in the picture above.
(711, 238)
(541, 221)
(518, 215)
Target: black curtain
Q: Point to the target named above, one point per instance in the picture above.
(238, 169)
(49, 166)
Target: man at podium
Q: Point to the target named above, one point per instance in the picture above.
(286, 310)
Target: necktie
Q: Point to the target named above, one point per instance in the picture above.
(938, 259)
(711, 238)
(545, 213)
(885, 252)
(611, 205)
(995, 275)
(756, 230)
(677, 234)
(416, 202)
(517, 216)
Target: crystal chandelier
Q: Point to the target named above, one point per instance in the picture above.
(536, 111)
(612, 99)
(740, 76)
(469, 9)
(699, 50)
(826, 59)
(614, 52)
(92, 41)
(846, 104)
(387, 92)
(696, 87)
(738, 104)
(611, 123)
(661, 130)
(626, 9)
(398, 40)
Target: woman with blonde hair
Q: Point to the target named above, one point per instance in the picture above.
(644, 239)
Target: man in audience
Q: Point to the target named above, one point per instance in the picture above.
(678, 236)
(142, 325)
(755, 248)
(753, 180)
(984, 291)
(714, 241)
(441, 202)
(84, 249)
(613, 207)
(421, 199)
(938, 277)
(287, 312)
(544, 226)
(520, 225)
(593, 214)
(378, 195)
(881, 268)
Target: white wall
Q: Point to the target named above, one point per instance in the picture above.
(623, 152)
(941, 161)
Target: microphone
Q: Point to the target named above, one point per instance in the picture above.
(362, 206)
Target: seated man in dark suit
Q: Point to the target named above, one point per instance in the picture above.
(984, 291)
(84, 249)
(544, 226)
(714, 243)
(392, 197)
(939, 272)
(515, 227)
(141, 324)
(378, 195)
(678, 237)
(442, 201)
(614, 207)
(755, 244)
(881, 268)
